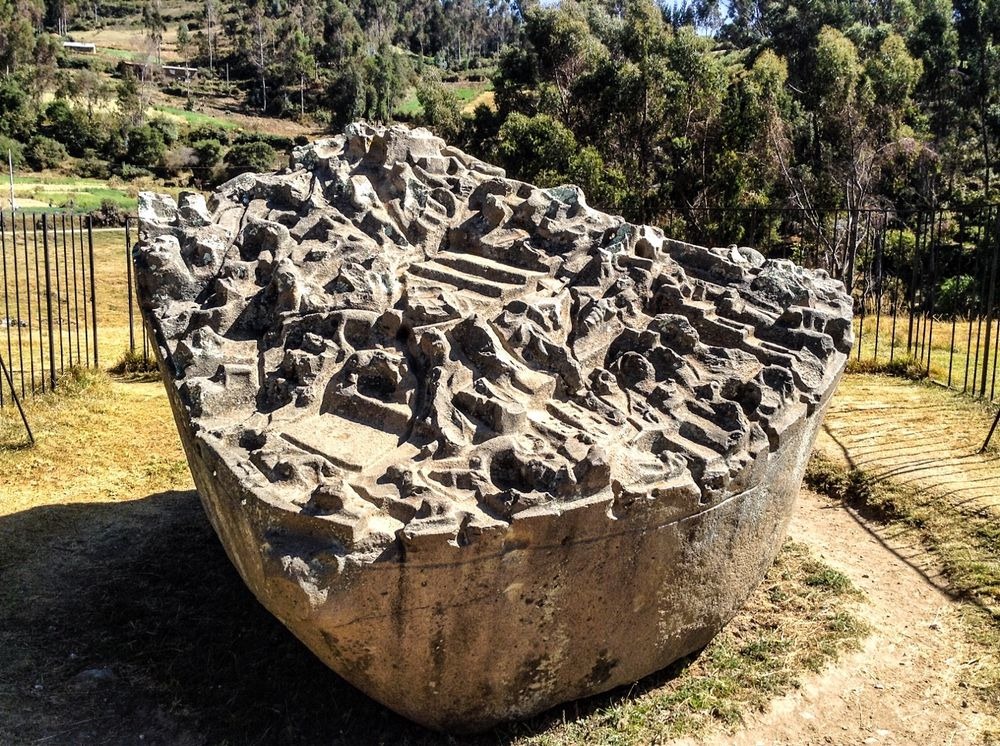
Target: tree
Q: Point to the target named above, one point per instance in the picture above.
(442, 110)
(155, 27)
(183, 40)
(18, 21)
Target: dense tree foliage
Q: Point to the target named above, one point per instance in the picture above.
(655, 109)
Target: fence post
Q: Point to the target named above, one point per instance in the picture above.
(128, 277)
(989, 320)
(93, 286)
(48, 303)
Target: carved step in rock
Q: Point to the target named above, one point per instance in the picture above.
(482, 448)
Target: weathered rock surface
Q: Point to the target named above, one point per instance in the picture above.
(481, 447)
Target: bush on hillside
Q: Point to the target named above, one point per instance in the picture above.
(208, 131)
(145, 147)
(16, 150)
(252, 156)
(209, 153)
(91, 166)
(130, 172)
(44, 152)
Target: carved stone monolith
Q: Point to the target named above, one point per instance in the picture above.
(482, 448)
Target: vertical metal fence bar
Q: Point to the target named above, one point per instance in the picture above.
(17, 311)
(38, 295)
(879, 279)
(864, 292)
(896, 287)
(27, 297)
(48, 303)
(932, 274)
(81, 360)
(55, 267)
(989, 319)
(83, 289)
(913, 286)
(93, 287)
(6, 302)
(65, 257)
(954, 310)
(128, 278)
(969, 309)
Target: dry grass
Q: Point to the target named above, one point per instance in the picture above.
(29, 350)
(878, 343)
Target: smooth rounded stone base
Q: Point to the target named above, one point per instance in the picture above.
(462, 640)
(482, 448)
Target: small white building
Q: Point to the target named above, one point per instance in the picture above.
(176, 72)
(80, 47)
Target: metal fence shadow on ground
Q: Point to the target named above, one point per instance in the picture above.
(48, 320)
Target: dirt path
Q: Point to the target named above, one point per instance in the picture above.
(903, 686)
(906, 685)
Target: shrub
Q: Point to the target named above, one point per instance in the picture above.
(145, 146)
(278, 142)
(957, 295)
(92, 167)
(44, 152)
(71, 127)
(208, 131)
(18, 117)
(108, 215)
(179, 159)
(251, 156)
(130, 172)
(208, 152)
(169, 132)
(16, 150)
(442, 110)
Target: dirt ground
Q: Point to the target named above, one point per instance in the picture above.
(904, 686)
(110, 548)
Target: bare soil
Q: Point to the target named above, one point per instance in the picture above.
(905, 685)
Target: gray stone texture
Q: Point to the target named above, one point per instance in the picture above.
(482, 448)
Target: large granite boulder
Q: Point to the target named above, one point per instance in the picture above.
(482, 448)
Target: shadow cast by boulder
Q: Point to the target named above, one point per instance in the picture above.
(126, 619)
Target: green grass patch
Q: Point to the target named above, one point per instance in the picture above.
(118, 54)
(410, 105)
(57, 179)
(82, 201)
(465, 94)
(195, 118)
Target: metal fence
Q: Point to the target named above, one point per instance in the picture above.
(924, 281)
(49, 312)
(137, 340)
